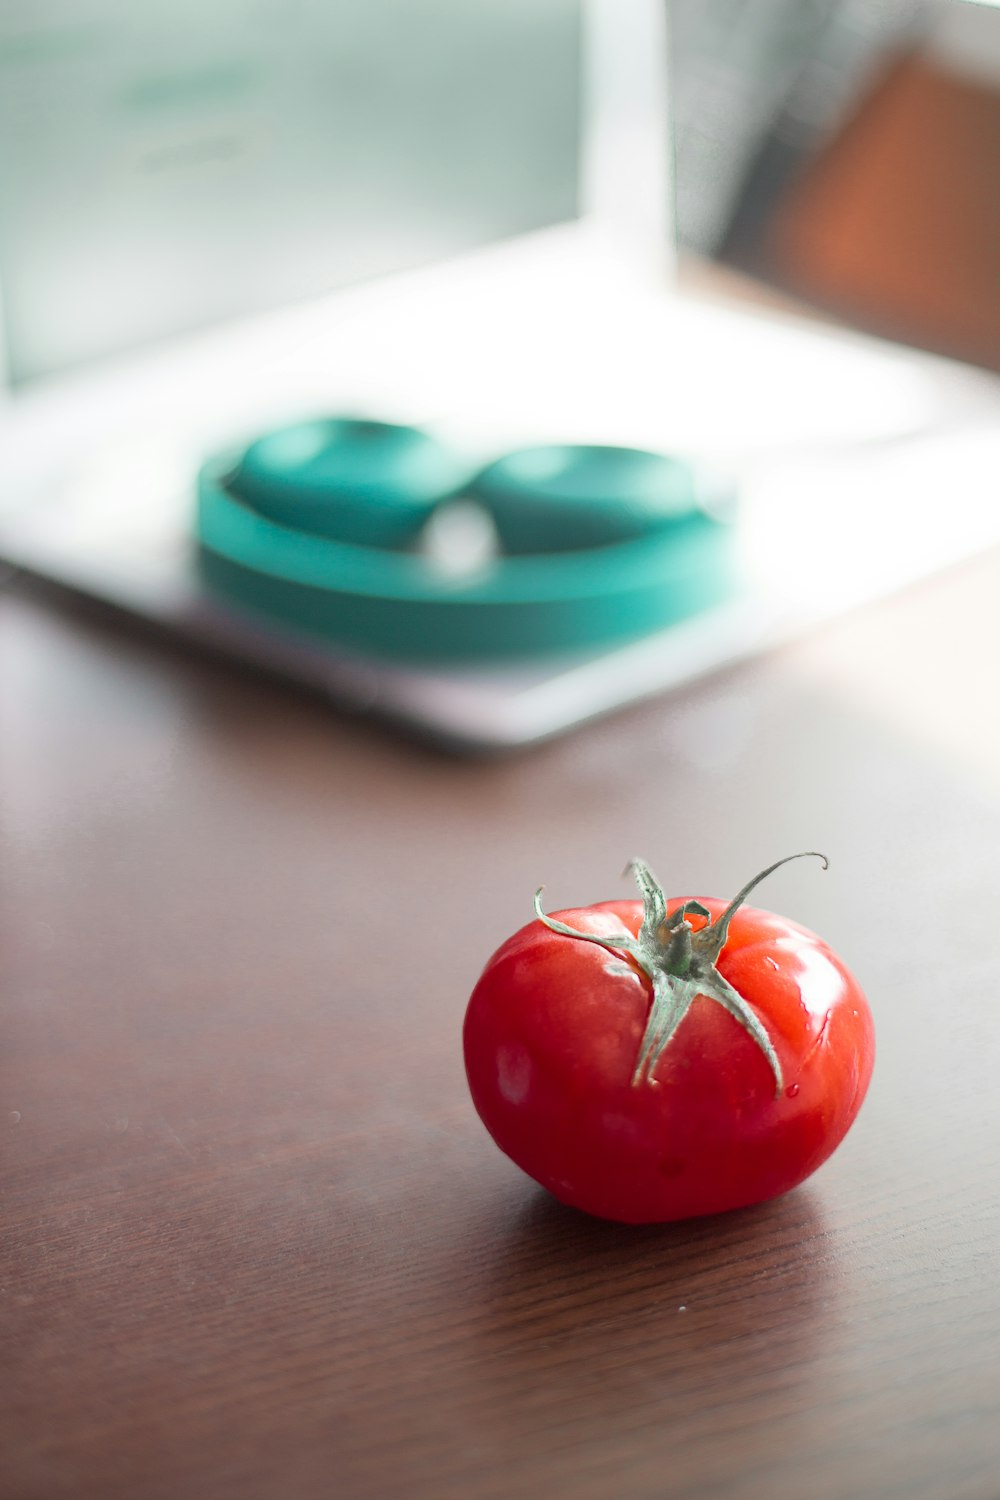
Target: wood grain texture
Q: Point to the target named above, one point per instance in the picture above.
(255, 1242)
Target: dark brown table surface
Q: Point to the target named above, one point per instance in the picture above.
(255, 1241)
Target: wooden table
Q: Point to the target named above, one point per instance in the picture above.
(256, 1243)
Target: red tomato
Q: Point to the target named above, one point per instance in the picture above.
(653, 1060)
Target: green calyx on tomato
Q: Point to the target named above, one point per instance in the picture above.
(680, 963)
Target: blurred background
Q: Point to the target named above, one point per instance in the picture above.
(848, 153)
(218, 218)
(165, 167)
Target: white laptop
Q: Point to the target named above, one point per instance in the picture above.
(217, 220)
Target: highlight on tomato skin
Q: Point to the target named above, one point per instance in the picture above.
(652, 1060)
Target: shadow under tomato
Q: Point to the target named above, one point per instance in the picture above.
(730, 1294)
(545, 1224)
(690, 1349)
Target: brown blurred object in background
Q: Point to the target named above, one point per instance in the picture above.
(896, 224)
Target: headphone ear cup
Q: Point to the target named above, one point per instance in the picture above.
(567, 498)
(399, 604)
(373, 484)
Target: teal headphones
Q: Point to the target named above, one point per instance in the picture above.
(319, 524)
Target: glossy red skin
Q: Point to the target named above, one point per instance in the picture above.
(551, 1038)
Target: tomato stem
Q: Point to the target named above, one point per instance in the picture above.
(680, 963)
(714, 937)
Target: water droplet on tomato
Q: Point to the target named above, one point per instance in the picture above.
(792, 1091)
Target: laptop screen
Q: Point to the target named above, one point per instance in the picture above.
(164, 166)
